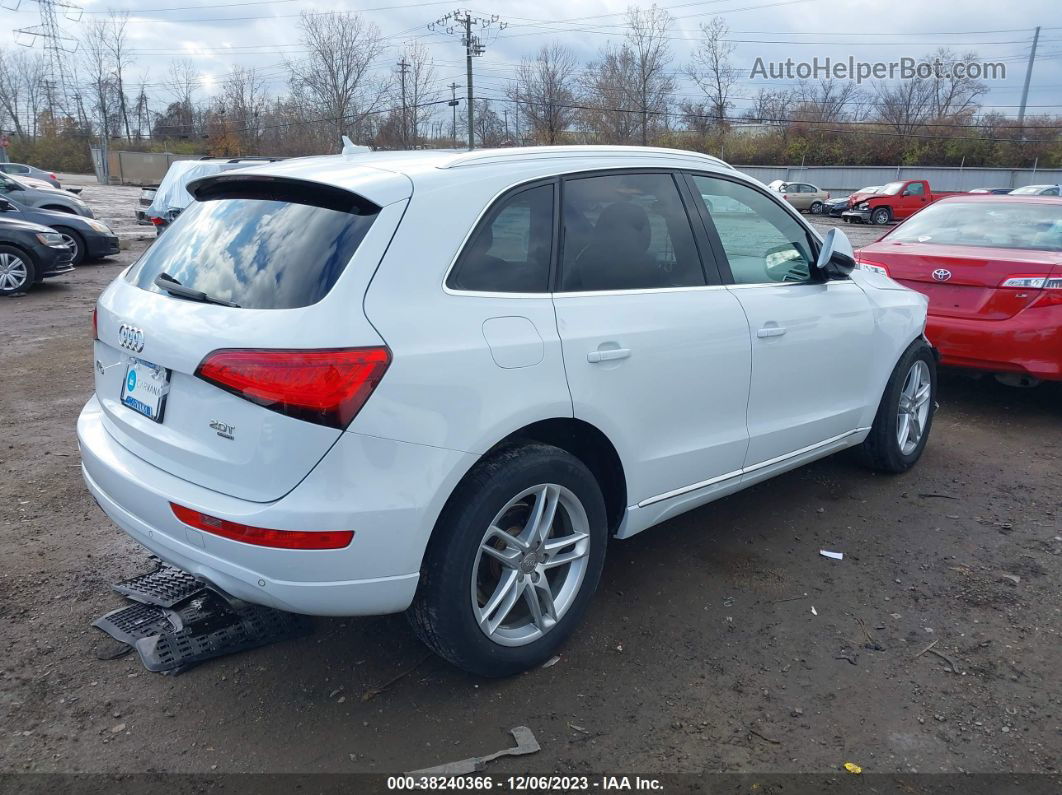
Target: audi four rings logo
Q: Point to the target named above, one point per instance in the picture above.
(941, 274)
(131, 338)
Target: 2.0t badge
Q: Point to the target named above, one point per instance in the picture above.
(131, 338)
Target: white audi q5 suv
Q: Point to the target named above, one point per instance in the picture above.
(439, 381)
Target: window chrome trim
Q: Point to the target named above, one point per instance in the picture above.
(667, 495)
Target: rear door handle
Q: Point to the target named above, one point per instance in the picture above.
(607, 355)
(771, 331)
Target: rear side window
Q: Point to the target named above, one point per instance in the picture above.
(627, 232)
(510, 250)
(277, 247)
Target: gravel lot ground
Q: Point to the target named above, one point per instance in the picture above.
(701, 650)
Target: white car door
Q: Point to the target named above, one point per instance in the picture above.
(656, 351)
(811, 339)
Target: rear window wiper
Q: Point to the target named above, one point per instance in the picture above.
(166, 282)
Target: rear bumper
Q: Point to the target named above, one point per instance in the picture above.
(1029, 343)
(388, 492)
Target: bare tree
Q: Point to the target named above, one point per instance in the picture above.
(610, 113)
(244, 101)
(545, 87)
(488, 126)
(121, 59)
(97, 63)
(712, 70)
(414, 89)
(22, 76)
(905, 106)
(955, 96)
(771, 107)
(336, 75)
(647, 39)
(828, 101)
(181, 84)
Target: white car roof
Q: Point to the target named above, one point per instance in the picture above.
(172, 192)
(386, 177)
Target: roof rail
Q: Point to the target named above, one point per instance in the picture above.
(546, 152)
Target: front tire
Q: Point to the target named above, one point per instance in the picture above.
(513, 562)
(905, 414)
(75, 241)
(881, 216)
(17, 272)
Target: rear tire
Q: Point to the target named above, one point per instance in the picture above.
(816, 208)
(17, 271)
(477, 608)
(908, 403)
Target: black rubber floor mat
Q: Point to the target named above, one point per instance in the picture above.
(174, 652)
(130, 624)
(165, 587)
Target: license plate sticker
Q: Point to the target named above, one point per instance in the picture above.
(145, 388)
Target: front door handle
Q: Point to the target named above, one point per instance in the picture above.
(607, 355)
(771, 331)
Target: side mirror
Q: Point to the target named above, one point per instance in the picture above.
(836, 257)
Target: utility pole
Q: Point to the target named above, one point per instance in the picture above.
(516, 114)
(453, 103)
(1028, 79)
(461, 22)
(403, 66)
(505, 114)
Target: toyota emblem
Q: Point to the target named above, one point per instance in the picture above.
(941, 274)
(131, 338)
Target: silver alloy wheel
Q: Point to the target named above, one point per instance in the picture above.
(71, 243)
(913, 409)
(14, 273)
(530, 565)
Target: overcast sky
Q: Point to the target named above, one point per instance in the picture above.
(220, 33)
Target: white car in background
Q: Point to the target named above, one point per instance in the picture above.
(438, 381)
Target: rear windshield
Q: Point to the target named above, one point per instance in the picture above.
(1011, 224)
(259, 249)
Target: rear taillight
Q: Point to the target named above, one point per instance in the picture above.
(260, 536)
(95, 325)
(827, 195)
(156, 221)
(54, 177)
(328, 387)
(1033, 282)
(877, 267)
(1050, 287)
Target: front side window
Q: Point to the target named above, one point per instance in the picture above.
(510, 250)
(626, 232)
(914, 189)
(763, 242)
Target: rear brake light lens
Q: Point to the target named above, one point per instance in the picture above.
(327, 387)
(1033, 283)
(872, 266)
(260, 536)
(156, 221)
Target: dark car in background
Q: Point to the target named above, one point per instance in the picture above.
(29, 253)
(834, 207)
(87, 238)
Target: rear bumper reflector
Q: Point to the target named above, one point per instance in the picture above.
(260, 536)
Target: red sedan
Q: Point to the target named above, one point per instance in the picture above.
(991, 267)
